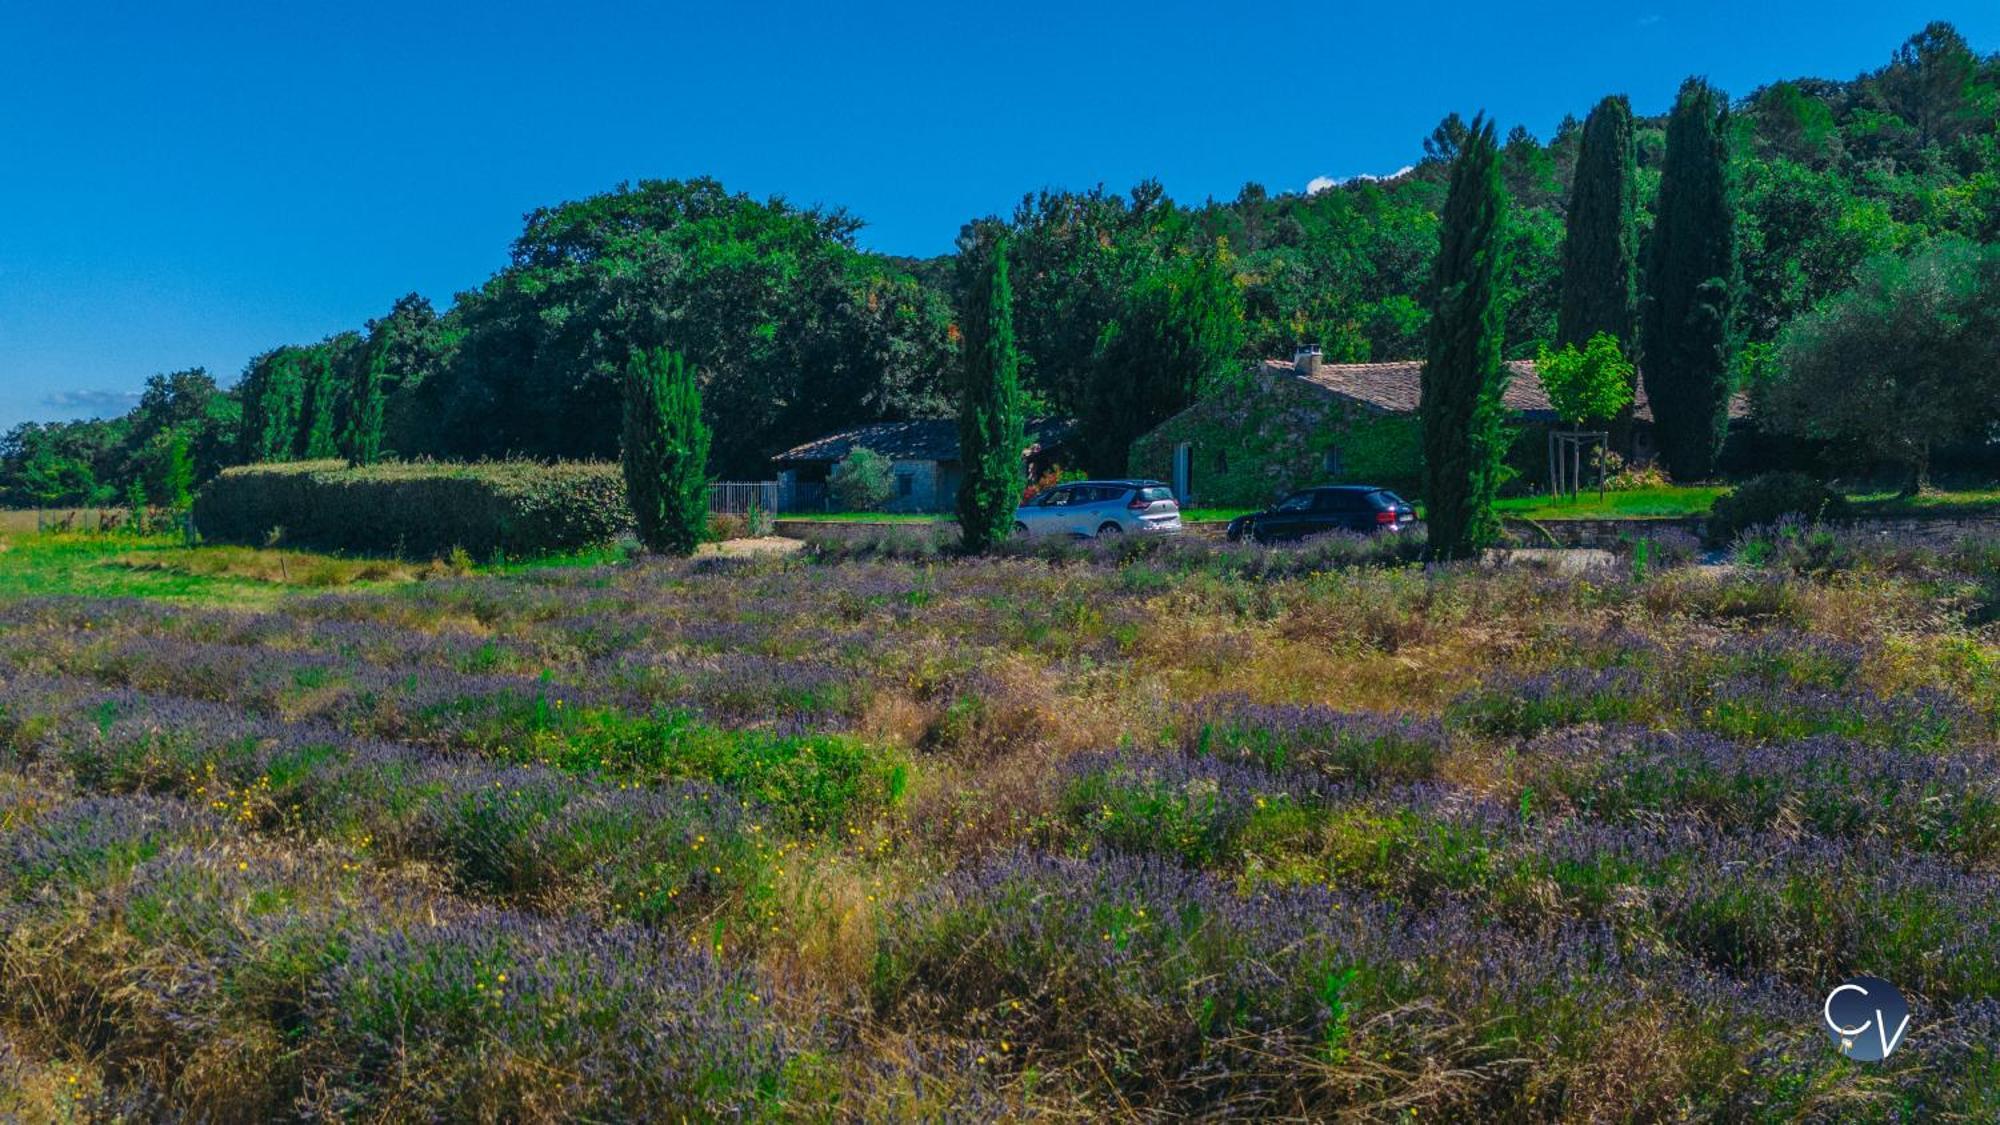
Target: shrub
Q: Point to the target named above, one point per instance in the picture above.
(417, 509)
(471, 1019)
(1363, 748)
(1769, 498)
(863, 480)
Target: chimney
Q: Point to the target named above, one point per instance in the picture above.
(1306, 359)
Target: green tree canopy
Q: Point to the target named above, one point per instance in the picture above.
(1588, 384)
(797, 331)
(1905, 361)
(1178, 335)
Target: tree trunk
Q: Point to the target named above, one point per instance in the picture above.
(1919, 479)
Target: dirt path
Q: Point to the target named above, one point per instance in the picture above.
(745, 548)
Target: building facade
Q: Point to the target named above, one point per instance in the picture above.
(923, 455)
(1304, 422)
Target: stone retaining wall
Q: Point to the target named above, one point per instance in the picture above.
(1608, 534)
(1600, 534)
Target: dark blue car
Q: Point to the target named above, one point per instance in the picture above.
(1361, 508)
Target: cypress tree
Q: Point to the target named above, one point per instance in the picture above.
(990, 427)
(315, 439)
(1600, 259)
(273, 395)
(1464, 422)
(361, 408)
(665, 452)
(1688, 318)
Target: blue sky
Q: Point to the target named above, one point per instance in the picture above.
(194, 183)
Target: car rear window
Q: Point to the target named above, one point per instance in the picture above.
(1156, 492)
(1386, 499)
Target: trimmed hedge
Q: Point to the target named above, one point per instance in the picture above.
(417, 509)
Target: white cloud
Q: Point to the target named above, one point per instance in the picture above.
(102, 402)
(1320, 183)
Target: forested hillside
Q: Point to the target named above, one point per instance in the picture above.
(1128, 305)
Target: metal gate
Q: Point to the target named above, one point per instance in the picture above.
(735, 497)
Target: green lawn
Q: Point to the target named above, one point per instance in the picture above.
(1671, 500)
(1937, 502)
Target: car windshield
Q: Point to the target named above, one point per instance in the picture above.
(1298, 502)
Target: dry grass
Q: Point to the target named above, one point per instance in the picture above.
(289, 568)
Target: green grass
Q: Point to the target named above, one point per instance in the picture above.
(1936, 502)
(1671, 500)
(163, 567)
(1695, 500)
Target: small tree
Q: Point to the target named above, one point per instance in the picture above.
(665, 452)
(991, 440)
(1592, 385)
(135, 500)
(177, 481)
(1464, 421)
(864, 480)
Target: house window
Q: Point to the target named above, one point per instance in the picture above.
(905, 484)
(1221, 461)
(1329, 461)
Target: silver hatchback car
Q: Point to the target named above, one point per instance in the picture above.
(1090, 508)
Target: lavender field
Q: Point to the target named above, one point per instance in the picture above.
(1153, 831)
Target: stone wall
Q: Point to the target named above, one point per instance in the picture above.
(1602, 534)
(1610, 533)
(919, 488)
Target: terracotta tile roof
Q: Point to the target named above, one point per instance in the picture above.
(1396, 387)
(921, 439)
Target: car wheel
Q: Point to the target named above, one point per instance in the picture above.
(1020, 529)
(1110, 528)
